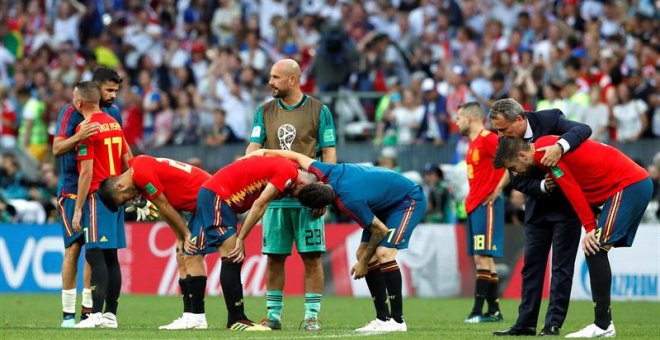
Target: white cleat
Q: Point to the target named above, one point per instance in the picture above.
(593, 331)
(94, 320)
(109, 321)
(186, 323)
(375, 325)
(397, 327)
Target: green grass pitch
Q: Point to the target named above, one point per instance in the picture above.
(38, 317)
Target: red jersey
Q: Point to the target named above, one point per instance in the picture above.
(590, 174)
(178, 181)
(240, 183)
(481, 173)
(105, 148)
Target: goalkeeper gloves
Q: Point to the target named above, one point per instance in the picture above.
(146, 212)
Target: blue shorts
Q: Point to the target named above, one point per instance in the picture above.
(103, 228)
(401, 221)
(485, 229)
(66, 204)
(619, 220)
(213, 222)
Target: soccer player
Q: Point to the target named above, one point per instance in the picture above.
(171, 186)
(550, 222)
(592, 175)
(99, 156)
(485, 213)
(246, 184)
(293, 121)
(64, 143)
(387, 205)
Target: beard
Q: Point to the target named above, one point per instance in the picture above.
(279, 93)
(107, 103)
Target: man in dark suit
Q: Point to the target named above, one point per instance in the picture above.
(549, 219)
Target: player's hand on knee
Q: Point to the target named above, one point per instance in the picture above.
(590, 244)
(238, 253)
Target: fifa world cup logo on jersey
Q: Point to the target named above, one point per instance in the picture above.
(286, 134)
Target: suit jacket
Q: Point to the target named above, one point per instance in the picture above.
(543, 207)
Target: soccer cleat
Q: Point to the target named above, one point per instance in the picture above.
(247, 326)
(396, 326)
(494, 317)
(109, 321)
(375, 325)
(593, 331)
(185, 323)
(473, 318)
(272, 324)
(69, 322)
(85, 312)
(94, 320)
(311, 324)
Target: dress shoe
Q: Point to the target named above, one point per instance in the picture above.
(550, 331)
(516, 331)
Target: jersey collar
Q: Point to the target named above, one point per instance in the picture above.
(302, 101)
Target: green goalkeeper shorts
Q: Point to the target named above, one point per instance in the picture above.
(283, 226)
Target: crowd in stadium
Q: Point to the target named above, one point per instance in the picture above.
(194, 72)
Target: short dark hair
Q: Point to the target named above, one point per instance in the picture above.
(107, 193)
(507, 149)
(103, 74)
(89, 91)
(316, 195)
(472, 108)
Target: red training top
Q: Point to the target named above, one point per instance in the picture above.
(482, 175)
(105, 148)
(590, 174)
(240, 183)
(179, 182)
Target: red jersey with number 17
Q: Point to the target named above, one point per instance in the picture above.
(590, 174)
(240, 183)
(105, 148)
(481, 173)
(179, 182)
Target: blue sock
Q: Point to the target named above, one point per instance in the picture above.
(312, 305)
(274, 304)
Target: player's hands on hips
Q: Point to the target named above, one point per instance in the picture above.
(549, 183)
(552, 155)
(238, 253)
(359, 270)
(590, 244)
(492, 197)
(316, 213)
(88, 129)
(75, 220)
(149, 212)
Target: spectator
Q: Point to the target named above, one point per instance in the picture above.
(8, 120)
(225, 17)
(434, 125)
(596, 115)
(407, 118)
(630, 115)
(219, 133)
(32, 134)
(185, 126)
(438, 194)
(67, 22)
(163, 124)
(12, 181)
